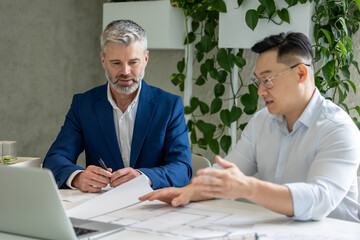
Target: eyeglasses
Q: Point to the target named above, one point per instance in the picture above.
(267, 82)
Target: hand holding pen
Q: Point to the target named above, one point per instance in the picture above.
(102, 164)
(93, 178)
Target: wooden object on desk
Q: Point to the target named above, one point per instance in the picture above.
(25, 162)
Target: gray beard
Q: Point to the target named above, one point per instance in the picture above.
(125, 89)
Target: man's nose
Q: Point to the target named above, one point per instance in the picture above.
(261, 90)
(125, 69)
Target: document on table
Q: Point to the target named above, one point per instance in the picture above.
(121, 206)
(117, 198)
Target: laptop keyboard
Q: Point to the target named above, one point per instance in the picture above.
(81, 231)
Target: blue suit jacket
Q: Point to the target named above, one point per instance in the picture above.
(160, 145)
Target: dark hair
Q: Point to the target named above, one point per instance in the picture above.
(288, 46)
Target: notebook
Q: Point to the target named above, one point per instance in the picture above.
(30, 206)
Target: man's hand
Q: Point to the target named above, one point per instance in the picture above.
(123, 175)
(226, 183)
(173, 196)
(92, 179)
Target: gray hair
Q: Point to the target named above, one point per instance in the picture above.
(123, 32)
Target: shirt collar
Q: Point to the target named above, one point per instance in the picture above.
(132, 104)
(308, 116)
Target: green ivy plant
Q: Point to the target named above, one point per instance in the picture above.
(216, 65)
(335, 24)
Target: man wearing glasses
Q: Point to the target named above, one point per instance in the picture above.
(304, 148)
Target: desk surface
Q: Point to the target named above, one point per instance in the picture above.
(327, 225)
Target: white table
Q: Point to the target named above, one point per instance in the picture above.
(25, 162)
(327, 225)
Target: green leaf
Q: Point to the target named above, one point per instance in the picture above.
(204, 108)
(343, 24)
(225, 143)
(253, 91)
(206, 43)
(194, 25)
(345, 72)
(358, 3)
(224, 60)
(205, 127)
(200, 81)
(194, 103)
(204, 69)
(252, 18)
(242, 126)
(356, 122)
(341, 46)
(222, 76)
(235, 114)
(353, 86)
(193, 137)
(214, 146)
(284, 15)
(240, 61)
(199, 56)
(191, 37)
(270, 7)
(219, 6)
(209, 28)
(250, 105)
(187, 110)
(291, 2)
(177, 79)
(216, 105)
(202, 143)
(239, 2)
(327, 35)
(225, 117)
(356, 65)
(328, 70)
(219, 90)
(342, 96)
(181, 65)
(358, 109)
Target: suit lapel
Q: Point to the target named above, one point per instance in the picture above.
(144, 115)
(104, 113)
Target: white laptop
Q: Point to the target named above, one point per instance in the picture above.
(30, 206)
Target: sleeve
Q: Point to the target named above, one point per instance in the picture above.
(330, 176)
(176, 170)
(62, 155)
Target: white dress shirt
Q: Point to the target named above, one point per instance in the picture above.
(317, 161)
(124, 124)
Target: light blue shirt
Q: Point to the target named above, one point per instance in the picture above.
(317, 161)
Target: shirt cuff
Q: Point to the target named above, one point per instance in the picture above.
(147, 178)
(71, 177)
(303, 200)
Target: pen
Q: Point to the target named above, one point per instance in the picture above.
(102, 164)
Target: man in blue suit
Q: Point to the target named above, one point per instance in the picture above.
(133, 127)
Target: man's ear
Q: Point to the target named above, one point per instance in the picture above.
(303, 73)
(102, 58)
(146, 57)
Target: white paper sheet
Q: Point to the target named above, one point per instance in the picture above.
(117, 198)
